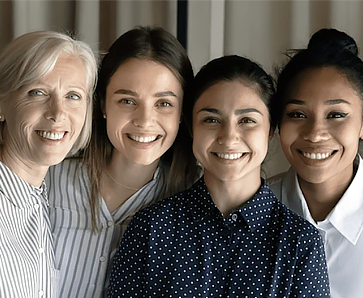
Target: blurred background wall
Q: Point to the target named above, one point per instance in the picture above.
(260, 30)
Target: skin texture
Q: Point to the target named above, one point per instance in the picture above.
(56, 103)
(143, 100)
(319, 133)
(230, 139)
(143, 110)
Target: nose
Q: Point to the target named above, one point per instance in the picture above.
(144, 116)
(229, 135)
(55, 109)
(316, 131)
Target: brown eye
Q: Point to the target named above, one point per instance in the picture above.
(336, 115)
(296, 115)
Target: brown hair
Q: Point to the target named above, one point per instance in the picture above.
(158, 45)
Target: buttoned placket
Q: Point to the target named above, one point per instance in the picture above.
(108, 228)
(38, 209)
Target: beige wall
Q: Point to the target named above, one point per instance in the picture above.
(260, 30)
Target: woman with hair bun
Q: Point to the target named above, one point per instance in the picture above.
(318, 110)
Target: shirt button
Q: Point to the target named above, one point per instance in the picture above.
(220, 271)
(110, 223)
(102, 259)
(41, 293)
(41, 250)
(234, 217)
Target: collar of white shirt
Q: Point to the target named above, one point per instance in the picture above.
(346, 216)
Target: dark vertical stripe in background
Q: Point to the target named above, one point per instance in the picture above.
(182, 22)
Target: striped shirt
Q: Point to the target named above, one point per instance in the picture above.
(84, 257)
(26, 246)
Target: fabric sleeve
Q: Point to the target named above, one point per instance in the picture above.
(311, 274)
(126, 279)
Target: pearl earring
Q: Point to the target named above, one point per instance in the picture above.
(104, 116)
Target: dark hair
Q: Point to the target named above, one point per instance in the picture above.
(153, 44)
(230, 68)
(326, 48)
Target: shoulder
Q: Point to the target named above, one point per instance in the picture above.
(277, 179)
(67, 182)
(66, 169)
(176, 206)
(296, 227)
(280, 181)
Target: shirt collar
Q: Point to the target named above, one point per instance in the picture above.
(16, 190)
(255, 212)
(346, 216)
(258, 209)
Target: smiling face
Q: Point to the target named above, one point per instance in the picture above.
(321, 126)
(143, 109)
(230, 132)
(44, 119)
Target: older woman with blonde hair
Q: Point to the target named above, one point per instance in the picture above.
(46, 84)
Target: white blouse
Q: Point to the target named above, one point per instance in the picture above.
(341, 230)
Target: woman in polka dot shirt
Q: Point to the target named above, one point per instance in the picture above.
(319, 113)
(228, 235)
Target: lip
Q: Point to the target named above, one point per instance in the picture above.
(313, 157)
(230, 157)
(51, 135)
(144, 138)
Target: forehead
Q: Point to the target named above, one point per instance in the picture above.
(323, 83)
(230, 95)
(137, 73)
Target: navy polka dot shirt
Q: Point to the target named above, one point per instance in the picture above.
(183, 247)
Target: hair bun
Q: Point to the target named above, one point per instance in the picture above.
(332, 40)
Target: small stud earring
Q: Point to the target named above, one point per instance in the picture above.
(104, 116)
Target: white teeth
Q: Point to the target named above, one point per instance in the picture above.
(316, 155)
(229, 156)
(51, 135)
(143, 139)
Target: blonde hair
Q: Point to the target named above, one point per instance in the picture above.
(33, 55)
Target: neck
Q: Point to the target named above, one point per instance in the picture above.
(231, 195)
(31, 173)
(322, 197)
(122, 178)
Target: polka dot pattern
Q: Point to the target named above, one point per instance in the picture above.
(183, 247)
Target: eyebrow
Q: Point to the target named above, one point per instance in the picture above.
(336, 101)
(133, 93)
(236, 112)
(41, 83)
(328, 102)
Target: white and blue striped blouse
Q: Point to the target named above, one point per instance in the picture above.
(26, 247)
(84, 257)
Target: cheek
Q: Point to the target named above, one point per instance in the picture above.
(170, 124)
(259, 141)
(202, 140)
(287, 136)
(79, 118)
